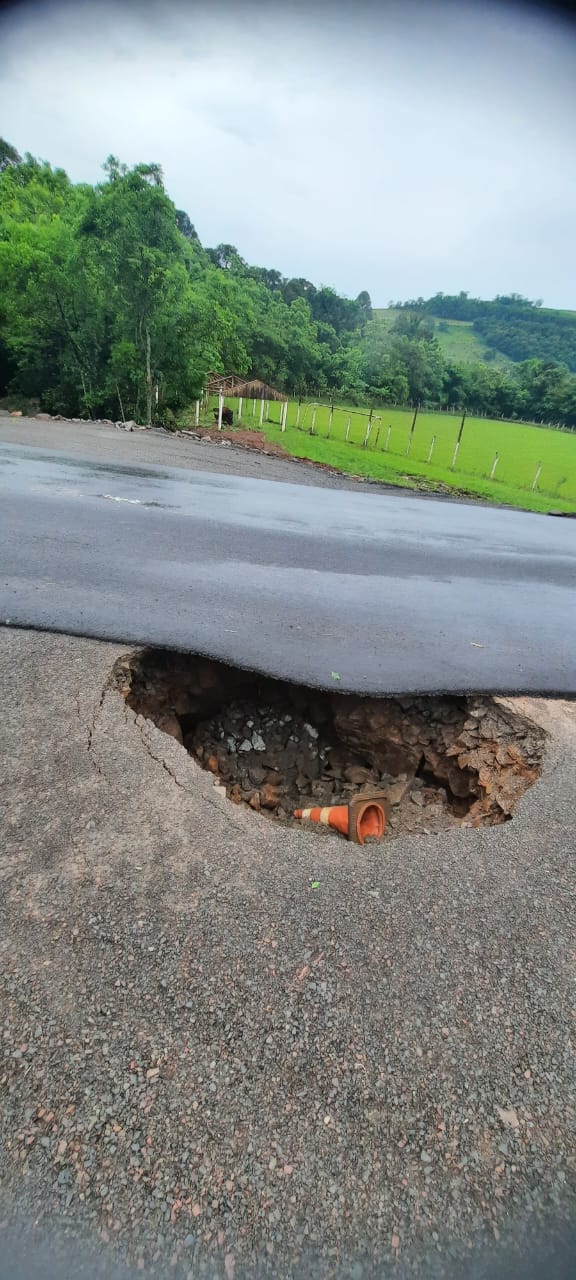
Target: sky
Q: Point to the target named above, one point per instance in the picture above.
(395, 147)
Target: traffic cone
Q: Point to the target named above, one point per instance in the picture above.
(358, 820)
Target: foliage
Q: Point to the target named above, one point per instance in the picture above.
(110, 304)
(521, 329)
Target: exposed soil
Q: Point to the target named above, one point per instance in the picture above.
(441, 762)
(245, 438)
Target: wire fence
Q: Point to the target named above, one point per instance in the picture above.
(421, 442)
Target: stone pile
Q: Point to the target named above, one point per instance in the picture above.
(440, 761)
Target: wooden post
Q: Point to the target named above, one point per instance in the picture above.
(368, 430)
(458, 439)
(254, 407)
(284, 415)
(377, 437)
(121, 405)
(455, 455)
(220, 408)
(388, 437)
(313, 423)
(411, 431)
(494, 465)
(239, 408)
(261, 412)
(536, 476)
(298, 413)
(347, 429)
(197, 416)
(330, 417)
(431, 449)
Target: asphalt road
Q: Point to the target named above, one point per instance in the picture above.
(234, 1049)
(363, 591)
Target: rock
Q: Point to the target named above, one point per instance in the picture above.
(171, 725)
(15, 413)
(129, 426)
(254, 801)
(43, 417)
(376, 728)
(269, 795)
(396, 792)
(258, 742)
(257, 774)
(358, 774)
(313, 733)
(212, 764)
(508, 1117)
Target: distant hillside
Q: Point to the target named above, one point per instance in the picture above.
(457, 338)
(509, 326)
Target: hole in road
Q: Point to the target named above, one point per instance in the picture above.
(441, 762)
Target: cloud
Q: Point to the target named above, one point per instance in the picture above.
(398, 148)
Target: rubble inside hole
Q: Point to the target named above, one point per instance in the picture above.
(441, 762)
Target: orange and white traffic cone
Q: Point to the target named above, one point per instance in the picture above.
(357, 821)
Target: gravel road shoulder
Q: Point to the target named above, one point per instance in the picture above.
(101, 443)
(209, 1065)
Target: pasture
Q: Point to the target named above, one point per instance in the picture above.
(507, 462)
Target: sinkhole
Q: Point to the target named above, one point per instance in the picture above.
(274, 746)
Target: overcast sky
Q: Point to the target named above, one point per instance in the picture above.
(382, 146)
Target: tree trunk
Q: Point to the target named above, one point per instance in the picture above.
(148, 381)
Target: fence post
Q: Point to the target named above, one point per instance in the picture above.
(411, 431)
(388, 437)
(261, 412)
(494, 465)
(197, 417)
(431, 449)
(298, 413)
(313, 423)
(536, 476)
(283, 415)
(347, 429)
(254, 407)
(239, 408)
(458, 439)
(377, 437)
(368, 430)
(330, 417)
(220, 408)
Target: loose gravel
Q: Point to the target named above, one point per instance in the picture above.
(229, 1048)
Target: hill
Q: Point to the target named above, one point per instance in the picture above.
(510, 326)
(457, 339)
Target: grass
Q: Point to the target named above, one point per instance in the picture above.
(458, 341)
(521, 448)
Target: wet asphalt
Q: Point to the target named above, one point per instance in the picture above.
(361, 590)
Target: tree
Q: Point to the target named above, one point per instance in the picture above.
(185, 226)
(364, 305)
(9, 156)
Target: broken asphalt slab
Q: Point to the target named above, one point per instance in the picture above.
(374, 593)
(231, 1048)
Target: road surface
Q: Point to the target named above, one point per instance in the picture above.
(232, 1049)
(367, 591)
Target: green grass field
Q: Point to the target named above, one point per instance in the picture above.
(521, 449)
(457, 339)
